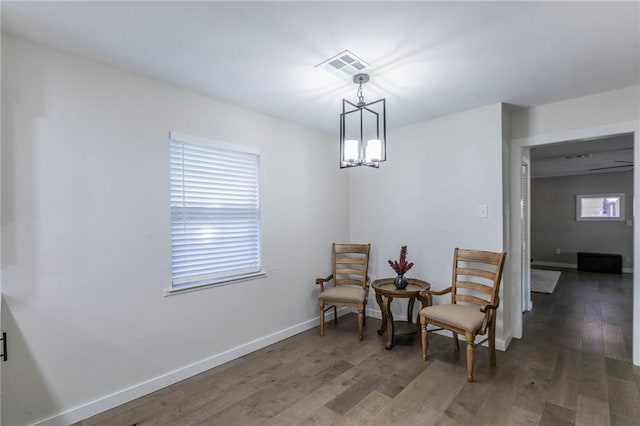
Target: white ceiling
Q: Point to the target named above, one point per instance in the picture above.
(429, 58)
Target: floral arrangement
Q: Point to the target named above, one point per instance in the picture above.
(402, 266)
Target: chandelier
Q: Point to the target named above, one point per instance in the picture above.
(362, 130)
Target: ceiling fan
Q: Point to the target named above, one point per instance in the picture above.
(629, 164)
(621, 166)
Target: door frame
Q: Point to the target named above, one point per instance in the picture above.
(519, 152)
(525, 218)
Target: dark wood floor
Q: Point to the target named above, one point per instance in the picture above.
(573, 366)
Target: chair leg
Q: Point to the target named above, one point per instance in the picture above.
(424, 338)
(335, 315)
(321, 318)
(456, 346)
(470, 339)
(492, 343)
(360, 322)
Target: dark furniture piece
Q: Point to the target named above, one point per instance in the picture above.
(386, 291)
(600, 262)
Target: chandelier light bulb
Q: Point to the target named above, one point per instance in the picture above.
(351, 150)
(373, 152)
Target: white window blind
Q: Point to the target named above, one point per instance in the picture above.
(215, 211)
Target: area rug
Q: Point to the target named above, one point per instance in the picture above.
(544, 281)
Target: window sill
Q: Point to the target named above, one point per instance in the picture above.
(601, 219)
(172, 291)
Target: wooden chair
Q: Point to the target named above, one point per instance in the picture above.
(475, 286)
(350, 283)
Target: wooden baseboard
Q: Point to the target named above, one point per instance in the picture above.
(569, 266)
(554, 264)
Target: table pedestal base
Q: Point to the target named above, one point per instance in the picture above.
(396, 328)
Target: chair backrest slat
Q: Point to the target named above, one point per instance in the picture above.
(350, 260)
(346, 281)
(490, 275)
(352, 248)
(479, 256)
(349, 271)
(475, 286)
(471, 299)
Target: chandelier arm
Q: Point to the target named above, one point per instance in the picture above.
(350, 103)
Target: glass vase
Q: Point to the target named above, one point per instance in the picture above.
(400, 281)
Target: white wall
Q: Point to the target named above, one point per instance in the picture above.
(86, 235)
(602, 114)
(601, 109)
(427, 195)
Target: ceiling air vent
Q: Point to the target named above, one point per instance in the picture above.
(344, 64)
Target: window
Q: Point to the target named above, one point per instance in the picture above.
(215, 212)
(600, 207)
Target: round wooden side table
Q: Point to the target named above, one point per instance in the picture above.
(386, 291)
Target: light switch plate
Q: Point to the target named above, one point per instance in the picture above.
(483, 211)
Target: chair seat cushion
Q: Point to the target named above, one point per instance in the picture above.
(343, 294)
(467, 318)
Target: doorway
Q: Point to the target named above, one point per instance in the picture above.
(578, 192)
(520, 153)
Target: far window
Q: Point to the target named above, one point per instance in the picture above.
(215, 212)
(600, 207)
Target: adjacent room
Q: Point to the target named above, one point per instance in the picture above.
(579, 215)
(180, 178)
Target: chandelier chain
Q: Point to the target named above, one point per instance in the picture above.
(360, 95)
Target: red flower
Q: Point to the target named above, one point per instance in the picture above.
(402, 266)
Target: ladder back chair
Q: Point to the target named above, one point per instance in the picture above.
(350, 283)
(475, 287)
